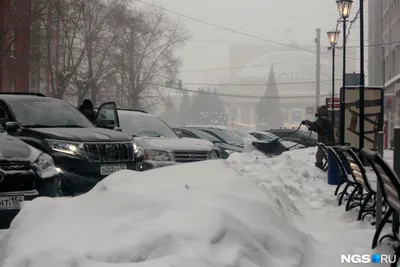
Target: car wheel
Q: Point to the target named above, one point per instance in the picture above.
(50, 188)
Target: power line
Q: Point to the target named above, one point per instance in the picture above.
(278, 63)
(231, 30)
(247, 66)
(255, 84)
(240, 27)
(241, 96)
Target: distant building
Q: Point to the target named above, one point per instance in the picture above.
(14, 64)
(384, 51)
(295, 72)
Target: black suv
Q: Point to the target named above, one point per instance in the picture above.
(25, 173)
(84, 154)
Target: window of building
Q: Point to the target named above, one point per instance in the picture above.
(13, 40)
(12, 85)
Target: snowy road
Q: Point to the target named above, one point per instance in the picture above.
(246, 211)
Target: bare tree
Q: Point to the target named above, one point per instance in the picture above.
(71, 27)
(98, 66)
(148, 46)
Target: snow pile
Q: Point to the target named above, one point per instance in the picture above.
(247, 211)
(202, 214)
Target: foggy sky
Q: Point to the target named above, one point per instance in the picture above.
(282, 20)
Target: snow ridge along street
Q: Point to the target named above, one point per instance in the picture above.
(247, 211)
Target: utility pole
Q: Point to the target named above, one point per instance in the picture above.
(318, 68)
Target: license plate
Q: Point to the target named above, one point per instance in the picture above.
(11, 203)
(109, 169)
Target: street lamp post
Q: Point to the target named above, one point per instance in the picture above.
(333, 37)
(362, 76)
(344, 8)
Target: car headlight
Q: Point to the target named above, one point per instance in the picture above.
(135, 148)
(45, 166)
(212, 155)
(157, 155)
(66, 147)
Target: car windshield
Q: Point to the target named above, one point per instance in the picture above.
(243, 135)
(309, 134)
(228, 137)
(205, 135)
(48, 112)
(144, 125)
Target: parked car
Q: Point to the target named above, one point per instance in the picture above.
(239, 138)
(157, 145)
(83, 153)
(270, 137)
(25, 173)
(225, 148)
(305, 138)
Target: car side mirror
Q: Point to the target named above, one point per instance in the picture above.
(12, 127)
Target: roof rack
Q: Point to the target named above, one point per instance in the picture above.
(23, 93)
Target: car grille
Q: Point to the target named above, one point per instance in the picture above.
(15, 166)
(109, 152)
(18, 176)
(190, 156)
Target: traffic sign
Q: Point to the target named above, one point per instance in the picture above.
(390, 103)
(353, 79)
(309, 110)
(336, 103)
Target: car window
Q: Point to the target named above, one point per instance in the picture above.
(243, 135)
(279, 134)
(297, 135)
(48, 112)
(263, 137)
(205, 135)
(271, 136)
(228, 137)
(144, 125)
(185, 134)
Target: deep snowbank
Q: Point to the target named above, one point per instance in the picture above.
(237, 212)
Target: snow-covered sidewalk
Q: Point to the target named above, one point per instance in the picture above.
(246, 211)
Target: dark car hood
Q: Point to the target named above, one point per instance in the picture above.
(81, 134)
(174, 144)
(13, 149)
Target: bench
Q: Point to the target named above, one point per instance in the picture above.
(346, 180)
(390, 185)
(324, 149)
(367, 201)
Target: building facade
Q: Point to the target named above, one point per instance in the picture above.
(384, 52)
(15, 45)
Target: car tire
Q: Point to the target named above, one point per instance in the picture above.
(50, 188)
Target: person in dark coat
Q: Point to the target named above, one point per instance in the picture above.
(324, 128)
(87, 109)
